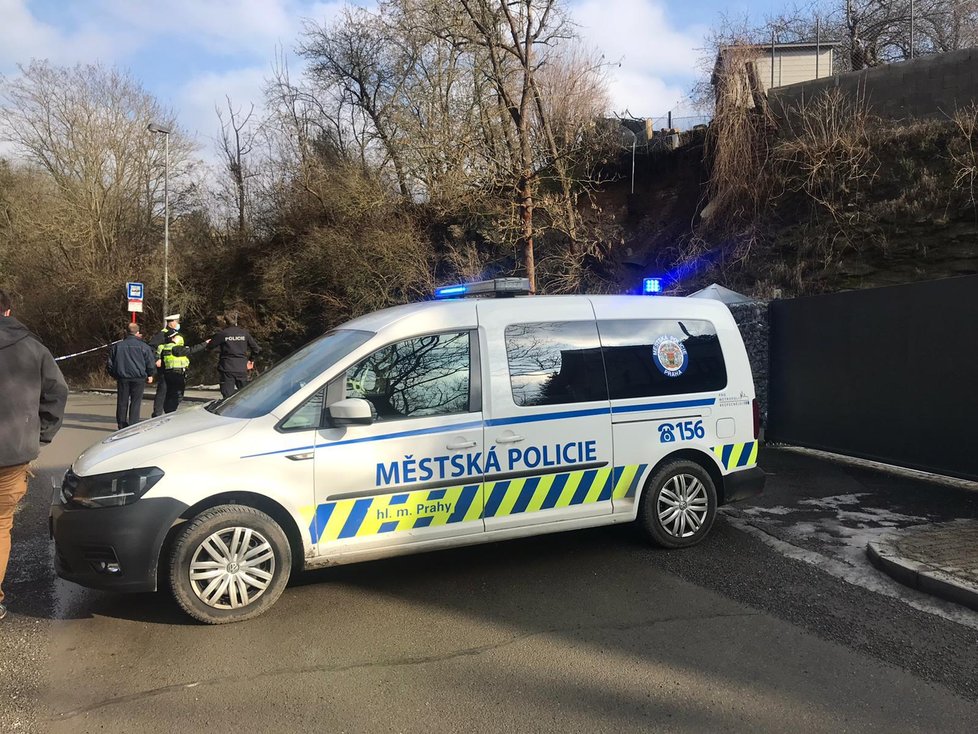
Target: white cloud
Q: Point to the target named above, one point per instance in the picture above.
(230, 27)
(222, 26)
(642, 95)
(24, 37)
(658, 60)
(197, 99)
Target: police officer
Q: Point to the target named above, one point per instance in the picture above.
(172, 323)
(174, 355)
(238, 350)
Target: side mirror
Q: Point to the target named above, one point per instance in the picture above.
(352, 412)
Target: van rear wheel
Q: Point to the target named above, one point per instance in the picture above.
(228, 564)
(678, 505)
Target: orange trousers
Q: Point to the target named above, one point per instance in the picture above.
(13, 486)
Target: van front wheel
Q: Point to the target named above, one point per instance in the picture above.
(678, 505)
(228, 564)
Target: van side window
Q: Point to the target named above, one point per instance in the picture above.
(555, 363)
(428, 375)
(307, 416)
(649, 358)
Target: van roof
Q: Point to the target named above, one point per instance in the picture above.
(463, 310)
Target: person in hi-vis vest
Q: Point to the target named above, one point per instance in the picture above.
(174, 356)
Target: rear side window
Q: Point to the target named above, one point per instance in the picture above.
(649, 358)
(555, 363)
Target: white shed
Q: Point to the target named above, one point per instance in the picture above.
(774, 65)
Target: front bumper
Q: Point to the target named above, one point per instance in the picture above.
(743, 484)
(113, 548)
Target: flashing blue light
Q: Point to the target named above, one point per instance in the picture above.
(651, 286)
(450, 291)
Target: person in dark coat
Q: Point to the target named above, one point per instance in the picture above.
(132, 363)
(172, 323)
(33, 394)
(238, 350)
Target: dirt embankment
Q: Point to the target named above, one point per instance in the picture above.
(842, 200)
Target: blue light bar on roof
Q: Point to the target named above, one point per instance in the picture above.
(498, 287)
(651, 286)
(450, 291)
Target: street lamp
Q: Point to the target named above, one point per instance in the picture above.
(165, 132)
(634, 142)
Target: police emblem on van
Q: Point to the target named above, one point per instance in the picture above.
(670, 355)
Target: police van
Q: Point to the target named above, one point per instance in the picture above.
(418, 428)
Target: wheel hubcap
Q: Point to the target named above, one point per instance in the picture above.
(682, 506)
(232, 568)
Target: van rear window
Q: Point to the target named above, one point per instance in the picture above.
(653, 357)
(555, 363)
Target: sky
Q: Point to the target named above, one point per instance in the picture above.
(191, 53)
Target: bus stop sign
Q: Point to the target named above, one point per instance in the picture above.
(134, 295)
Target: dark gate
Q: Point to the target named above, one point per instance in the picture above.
(889, 374)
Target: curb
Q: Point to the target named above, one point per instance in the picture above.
(920, 576)
(151, 394)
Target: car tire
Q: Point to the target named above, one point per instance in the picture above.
(229, 563)
(679, 505)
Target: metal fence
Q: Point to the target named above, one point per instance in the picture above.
(887, 374)
(682, 124)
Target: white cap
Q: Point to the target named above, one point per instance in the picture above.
(172, 317)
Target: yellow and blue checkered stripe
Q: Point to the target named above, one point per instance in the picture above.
(367, 516)
(736, 455)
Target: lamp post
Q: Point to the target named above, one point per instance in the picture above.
(154, 128)
(634, 141)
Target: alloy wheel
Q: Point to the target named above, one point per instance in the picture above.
(682, 505)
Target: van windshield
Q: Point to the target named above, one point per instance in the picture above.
(267, 392)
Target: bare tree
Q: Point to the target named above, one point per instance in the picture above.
(354, 56)
(96, 176)
(237, 143)
(513, 35)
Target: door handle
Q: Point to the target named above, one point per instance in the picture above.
(460, 446)
(509, 439)
(300, 457)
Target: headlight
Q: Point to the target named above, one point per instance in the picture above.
(109, 490)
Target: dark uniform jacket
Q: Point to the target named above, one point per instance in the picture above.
(132, 359)
(235, 344)
(33, 394)
(158, 338)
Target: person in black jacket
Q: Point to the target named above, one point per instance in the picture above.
(132, 363)
(238, 350)
(172, 323)
(33, 395)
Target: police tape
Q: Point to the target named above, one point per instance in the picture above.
(87, 351)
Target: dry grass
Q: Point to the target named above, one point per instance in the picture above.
(833, 194)
(964, 154)
(738, 146)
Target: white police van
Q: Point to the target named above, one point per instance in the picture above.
(418, 428)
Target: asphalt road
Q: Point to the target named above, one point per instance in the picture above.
(588, 631)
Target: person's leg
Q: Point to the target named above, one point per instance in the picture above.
(227, 384)
(13, 485)
(121, 403)
(175, 383)
(136, 388)
(240, 381)
(160, 398)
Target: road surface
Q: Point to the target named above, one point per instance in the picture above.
(589, 631)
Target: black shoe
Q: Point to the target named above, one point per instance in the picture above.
(3, 611)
